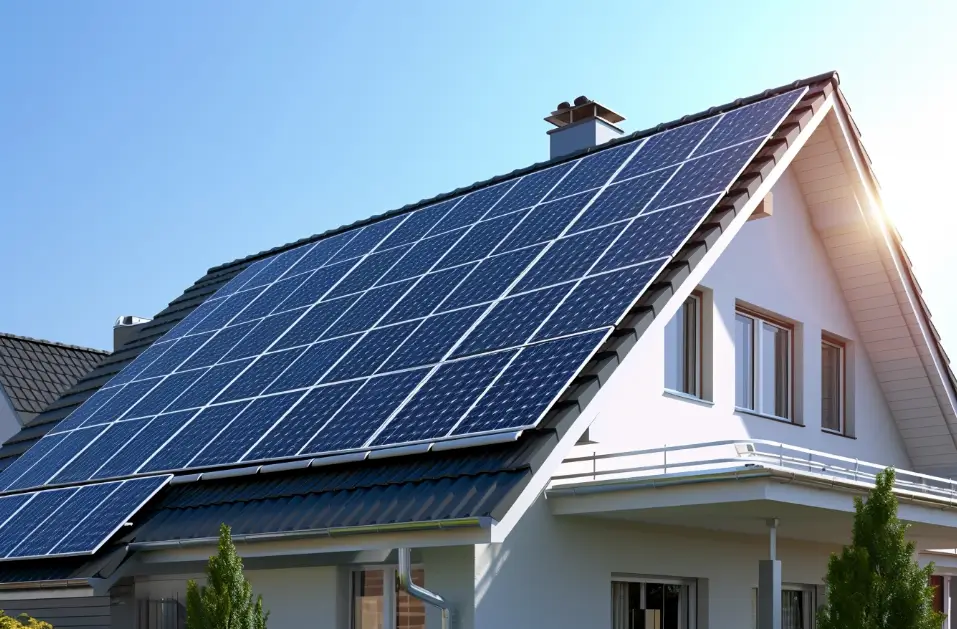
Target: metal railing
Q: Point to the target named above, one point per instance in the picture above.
(714, 456)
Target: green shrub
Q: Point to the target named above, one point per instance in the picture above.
(21, 621)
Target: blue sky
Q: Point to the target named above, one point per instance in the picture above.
(141, 143)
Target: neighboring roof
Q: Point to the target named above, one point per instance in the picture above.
(34, 373)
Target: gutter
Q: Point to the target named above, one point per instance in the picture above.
(342, 531)
(46, 585)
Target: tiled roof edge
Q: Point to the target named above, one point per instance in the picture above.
(28, 339)
(831, 76)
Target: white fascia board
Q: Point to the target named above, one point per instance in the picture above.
(548, 468)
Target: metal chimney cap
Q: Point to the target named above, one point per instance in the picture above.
(128, 320)
(583, 109)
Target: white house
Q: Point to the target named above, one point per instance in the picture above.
(706, 458)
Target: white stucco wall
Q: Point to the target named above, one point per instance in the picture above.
(556, 572)
(778, 264)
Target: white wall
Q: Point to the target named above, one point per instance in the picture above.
(778, 264)
(556, 572)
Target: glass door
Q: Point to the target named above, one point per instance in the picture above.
(652, 604)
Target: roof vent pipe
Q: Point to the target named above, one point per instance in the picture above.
(406, 585)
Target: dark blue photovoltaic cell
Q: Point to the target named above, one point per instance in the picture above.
(204, 389)
(433, 339)
(24, 463)
(513, 321)
(191, 439)
(423, 256)
(530, 189)
(145, 443)
(530, 384)
(87, 462)
(667, 149)
(233, 305)
(121, 402)
(705, 176)
(368, 272)
(444, 399)
(56, 458)
(164, 393)
(315, 323)
(270, 299)
(366, 356)
(599, 301)
(369, 309)
(218, 346)
(546, 222)
(316, 287)
(110, 515)
(244, 276)
(422, 299)
(472, 208)
(655, 235)
(279, 265)
(10, 504)
(263, 335)
(86, 410)
(194, 318)
(569, 258)
(622, 200)
(260, 375)
(311, 366)
(321, 253)
(245, 430)
(481, 239)
(33, 513)
(175, 356)
(83, 502)
(303, 421)
(490, 278)
(593, 171)
(140, 363)
(754, 121)
(418, 224)
(365, 412)
(368, 239)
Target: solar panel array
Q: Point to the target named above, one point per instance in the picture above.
(466, 317)
(71, 520)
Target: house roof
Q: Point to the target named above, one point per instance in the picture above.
(482, 481)
(34, 373)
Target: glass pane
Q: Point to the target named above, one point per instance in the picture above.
(368, 599)
(650, 606)
(675, 351)
(410, 611)
(792, 609)
(832, 400)
(690, 383)
(743, 361)
(775, 359)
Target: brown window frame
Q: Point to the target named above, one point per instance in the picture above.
(698, 346)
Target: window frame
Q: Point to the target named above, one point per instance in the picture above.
(810, 608)
(697, 297)
(832, 341)
(758, 321)
(390, 590)
(690, 583)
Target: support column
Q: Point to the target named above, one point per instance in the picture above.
(769, 584)
(948, 624)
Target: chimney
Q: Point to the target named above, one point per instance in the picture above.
(581, 125)
(125, 329)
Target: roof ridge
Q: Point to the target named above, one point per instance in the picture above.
(635, 135)
(30, 339)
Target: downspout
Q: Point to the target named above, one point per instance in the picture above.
(406, 585)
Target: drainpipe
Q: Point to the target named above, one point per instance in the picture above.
(406, 585)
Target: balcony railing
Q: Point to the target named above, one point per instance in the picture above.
(727, 456)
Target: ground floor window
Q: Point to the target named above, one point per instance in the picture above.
(797, 607)
(377, 602)
(652, 603)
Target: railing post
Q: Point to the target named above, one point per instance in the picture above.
(594, 465)
(665, 452)
(781, 454)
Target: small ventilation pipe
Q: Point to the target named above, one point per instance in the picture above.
(406, 585)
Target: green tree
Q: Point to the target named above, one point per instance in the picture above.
(226, 601)
(875, 583)
(23, 621)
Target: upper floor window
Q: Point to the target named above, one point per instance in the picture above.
(833, 385)
(763, 350)
(683, 348)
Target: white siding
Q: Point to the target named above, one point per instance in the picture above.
(778, 264)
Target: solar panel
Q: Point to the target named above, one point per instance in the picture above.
(466, 317)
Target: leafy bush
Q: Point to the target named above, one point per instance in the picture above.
(21, 621)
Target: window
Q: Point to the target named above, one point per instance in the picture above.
(652, 603)
(377, 602)
(683, 348)
(797, 606)
(763, 355)
(833, 385)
